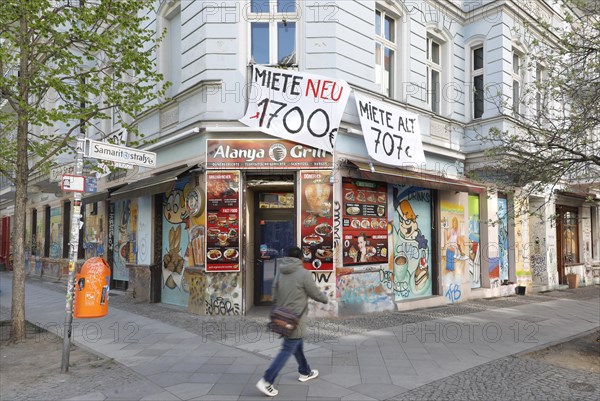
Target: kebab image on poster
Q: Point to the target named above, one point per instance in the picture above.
(317, 220)
(222, 224)
(365, 232)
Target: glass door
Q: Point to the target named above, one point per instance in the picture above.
(274, 234)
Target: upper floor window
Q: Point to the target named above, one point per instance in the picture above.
(273, 32)
(170, 48)
(434, 73)
(477, 75)
(385, 51)
(540, 77)
(517, 81)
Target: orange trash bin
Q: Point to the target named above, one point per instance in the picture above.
(91, 289)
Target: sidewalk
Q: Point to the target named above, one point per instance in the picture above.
(178, 364)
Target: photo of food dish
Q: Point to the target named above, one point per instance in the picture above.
(355, 223)
(324, 253)
(371, 251)
(374, 224)
(214, 254)
(231, 253)
(312, 239)
(371, 197)
(324, 229)
(365, 224)
(380, 210)
(361, 196)
(353, 210)
(213, 232)
(381, 198)
(349, 196)
(382, 224)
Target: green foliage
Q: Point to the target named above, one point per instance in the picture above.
(556, 135)
(64, 66)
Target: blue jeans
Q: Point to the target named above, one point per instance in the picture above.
(290, 346)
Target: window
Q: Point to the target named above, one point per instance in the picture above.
(570, 237)
(170, 48)
(477, 74)
(273, 32)
(385, 51)
(434, 73)
(540, 76)
(517, 82)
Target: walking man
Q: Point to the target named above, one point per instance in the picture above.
(291, 288)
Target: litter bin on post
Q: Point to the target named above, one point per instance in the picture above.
(91, 289)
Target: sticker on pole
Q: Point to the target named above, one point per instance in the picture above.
(73, 183)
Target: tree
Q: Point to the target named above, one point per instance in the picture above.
(555, 141)
(64, 66)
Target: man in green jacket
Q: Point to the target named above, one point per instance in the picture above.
(291, 288)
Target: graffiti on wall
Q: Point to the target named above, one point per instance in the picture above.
(503, 237)
(93, 233)
(411, 233)
(326, 283)
(455, 248)
(362, 292)
(223, 294)
(126, 214)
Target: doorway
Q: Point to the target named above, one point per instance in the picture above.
(274, 233)
(567, 233)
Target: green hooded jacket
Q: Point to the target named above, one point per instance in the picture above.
(291, 288)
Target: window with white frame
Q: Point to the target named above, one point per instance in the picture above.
(477, 75)
(540, 77)
(273, 32)
(386, 49)
(517, 82)
(434, 74)
(170, 47)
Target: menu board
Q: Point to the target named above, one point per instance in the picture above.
(365, 233)
(222, 223)
(316, 230)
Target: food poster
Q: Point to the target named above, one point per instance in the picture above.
(503, 237)
(365, 233)
(316, 230)
(222, 225)
(411, 229)
(93, 231)
(474, 250)
(178, 232)
(56, 233)
(125, 227)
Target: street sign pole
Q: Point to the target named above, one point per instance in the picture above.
(74, 246)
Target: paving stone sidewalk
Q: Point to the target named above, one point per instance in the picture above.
(363, 358)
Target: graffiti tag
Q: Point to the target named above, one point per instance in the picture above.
(453, 293)
(220, 306)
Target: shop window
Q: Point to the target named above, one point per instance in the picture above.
(386, 50)
(570, 237)
(477, 75)
(273, 32)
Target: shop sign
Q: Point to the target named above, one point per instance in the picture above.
(302, 107)
(264, 154)
(317, 220)
(392, 135)
(365, 223)
(222, 225)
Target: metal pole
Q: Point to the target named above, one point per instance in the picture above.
(74, 245)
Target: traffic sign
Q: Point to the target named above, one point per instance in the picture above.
(121, 154)
(73, 183)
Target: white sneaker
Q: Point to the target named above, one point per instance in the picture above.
(266, 388)
(313, 373)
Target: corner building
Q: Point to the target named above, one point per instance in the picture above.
(205, 228)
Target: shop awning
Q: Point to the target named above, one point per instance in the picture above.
(150, 186)
(396, 175)
(95, 197)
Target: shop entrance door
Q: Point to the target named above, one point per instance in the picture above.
(274, 233)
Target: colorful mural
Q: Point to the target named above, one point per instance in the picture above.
(56, 233)
(455, 252)
(125, 251)
(182, 236)
(474, 250)
(411, 233)
(362, 291)
(39, 236)
(503, 237)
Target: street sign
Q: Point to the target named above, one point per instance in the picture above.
(121, 154)
(73, 183)
(91, 184)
